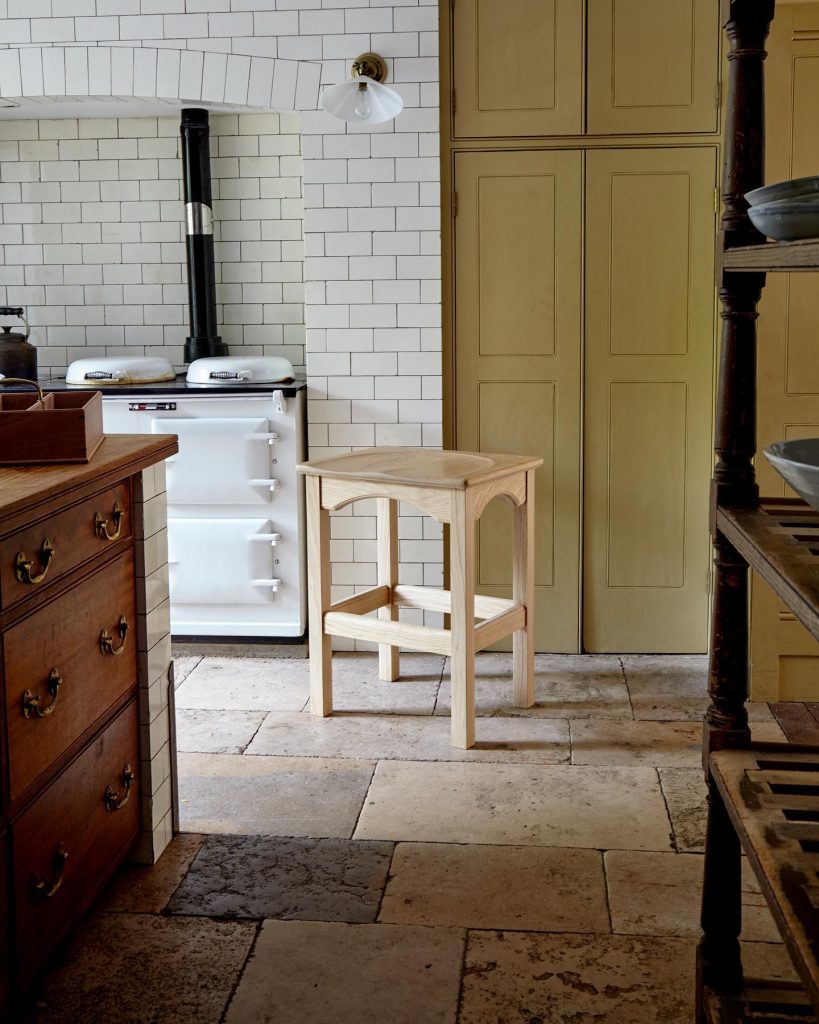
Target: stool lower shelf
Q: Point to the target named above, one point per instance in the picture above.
(771, 794)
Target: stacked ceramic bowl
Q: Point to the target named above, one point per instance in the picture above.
(786, 211)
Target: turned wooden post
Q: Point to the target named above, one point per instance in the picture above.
(719, 964)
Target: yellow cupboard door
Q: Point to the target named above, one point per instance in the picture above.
(518, 237)
(517, 67)
(650, 302)
(653, 66)
(783, 653)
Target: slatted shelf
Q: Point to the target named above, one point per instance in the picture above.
(761, 1002)
(771, 793)
(780, 540)
(774, 256)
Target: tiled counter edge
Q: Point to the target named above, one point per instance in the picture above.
(154, 664)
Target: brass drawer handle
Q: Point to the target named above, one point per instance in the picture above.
(31, 702)
(113, 801)
(107, 641)
(41, 890)
(101, 524)
(23, 565)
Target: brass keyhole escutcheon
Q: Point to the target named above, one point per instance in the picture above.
(101, 523)
(107, 641)
(23, 566)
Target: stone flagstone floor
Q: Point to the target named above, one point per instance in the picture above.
(357, 869)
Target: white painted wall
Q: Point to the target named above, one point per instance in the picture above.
(371, 220)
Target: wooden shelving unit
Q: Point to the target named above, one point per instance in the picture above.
(772, 256)
(763, 799)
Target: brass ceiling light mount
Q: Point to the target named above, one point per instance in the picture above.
(371, 66)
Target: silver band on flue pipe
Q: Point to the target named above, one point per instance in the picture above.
(203, 340)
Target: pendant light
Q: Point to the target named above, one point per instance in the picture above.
(364, 99)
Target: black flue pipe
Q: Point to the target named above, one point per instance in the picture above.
(203, 340)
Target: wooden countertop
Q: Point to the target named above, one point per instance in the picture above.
(24, 488)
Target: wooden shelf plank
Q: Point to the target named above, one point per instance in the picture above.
(773, 540)
(771, 793)
(774, 1002)
(801, 256)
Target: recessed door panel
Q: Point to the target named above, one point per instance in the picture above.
(653, 66)
(646, 493)
(517, 68)
(648, 397)
(518, 320)
(650, 268)
(534, 421)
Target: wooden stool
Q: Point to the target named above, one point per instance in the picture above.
(454, 488)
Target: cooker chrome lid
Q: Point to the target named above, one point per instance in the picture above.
(240, 370)
(120, 370)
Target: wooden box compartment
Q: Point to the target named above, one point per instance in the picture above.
(62, 640)
(72, 838)
(61, 542)
(53, 428)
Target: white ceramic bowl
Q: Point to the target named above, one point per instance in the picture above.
(798, 463)
(787, 219)
(791, 189)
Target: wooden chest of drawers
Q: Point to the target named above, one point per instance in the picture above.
(71, 589)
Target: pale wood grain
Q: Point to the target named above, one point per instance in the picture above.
(512, 489)
(523, 592)
(427, 467)
(432, 599)
(387, 552)
(366, 601)
(338, 493)
(398, 634)
(500, 626)
(462, 589)
(318, 600)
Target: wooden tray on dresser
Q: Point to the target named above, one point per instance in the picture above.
(39, 429)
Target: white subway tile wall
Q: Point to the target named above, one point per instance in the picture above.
(93, 244)
(73, 224)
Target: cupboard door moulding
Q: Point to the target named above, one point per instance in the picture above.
(653, 66)
(518, 68)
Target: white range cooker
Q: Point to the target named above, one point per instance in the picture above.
(235, 504)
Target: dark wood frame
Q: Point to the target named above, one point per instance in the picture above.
(763, 799)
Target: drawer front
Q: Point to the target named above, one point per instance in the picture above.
(61, 675)
(70, 840)
(36, 556)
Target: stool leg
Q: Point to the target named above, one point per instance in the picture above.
(318, 599)
(523, 592)
(462, 619)
(387, 511)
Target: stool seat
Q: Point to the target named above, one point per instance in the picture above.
(426, 466)
(452, 487)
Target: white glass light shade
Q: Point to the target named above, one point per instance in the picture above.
(372, 104)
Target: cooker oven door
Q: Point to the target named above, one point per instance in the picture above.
(220, 461)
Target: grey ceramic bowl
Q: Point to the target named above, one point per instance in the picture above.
(787, 219)
(783, 190)
(798, 463)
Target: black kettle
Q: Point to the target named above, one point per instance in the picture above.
(17, 357)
